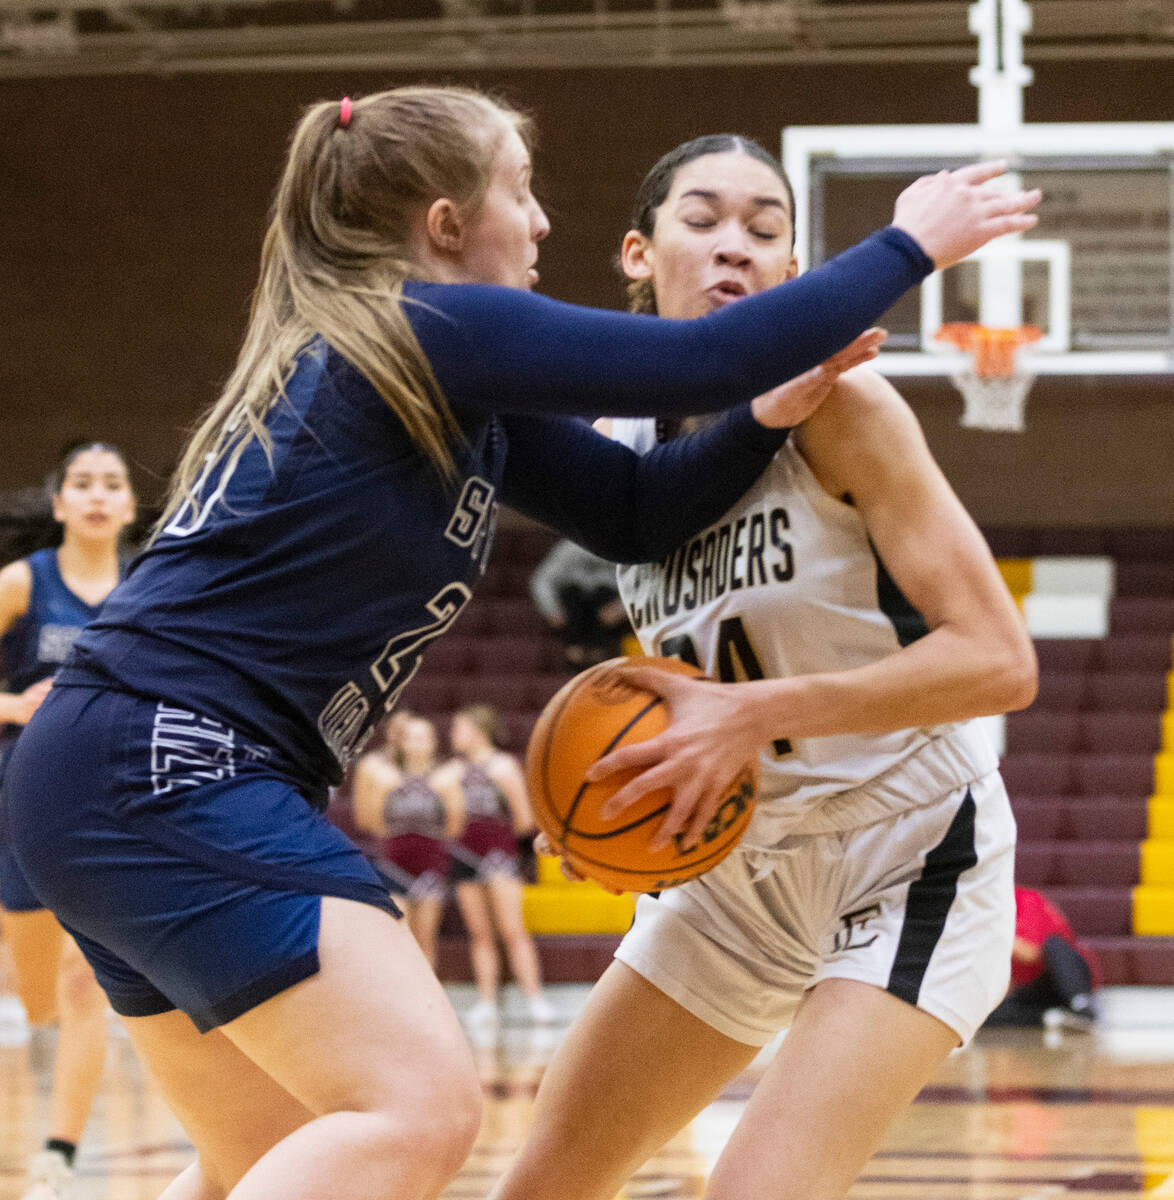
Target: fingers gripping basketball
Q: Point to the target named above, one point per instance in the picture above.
(591, 715)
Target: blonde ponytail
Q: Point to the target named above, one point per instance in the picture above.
(335, 258)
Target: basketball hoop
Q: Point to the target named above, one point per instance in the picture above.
(994, 389)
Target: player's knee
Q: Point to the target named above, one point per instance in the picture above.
(441, 1131)
(461, 1116)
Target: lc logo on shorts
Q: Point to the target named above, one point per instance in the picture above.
(856, 933)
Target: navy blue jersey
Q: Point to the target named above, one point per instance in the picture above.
(293, 599)
(39, 642)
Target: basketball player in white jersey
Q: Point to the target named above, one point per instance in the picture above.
(869, 908)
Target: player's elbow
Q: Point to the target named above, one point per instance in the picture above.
(1017, 674)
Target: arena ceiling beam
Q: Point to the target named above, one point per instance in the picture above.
(84, 37)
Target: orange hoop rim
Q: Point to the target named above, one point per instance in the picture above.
(993, 346)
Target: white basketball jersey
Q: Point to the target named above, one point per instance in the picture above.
(787, 583)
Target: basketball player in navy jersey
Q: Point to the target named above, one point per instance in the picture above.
(868, 908)
(45, 601)
(395, 800)
(329, 519)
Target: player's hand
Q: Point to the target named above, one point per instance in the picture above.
(28, 701)
(953, 213)
(544, 846)
(715, 731)
(794, 401)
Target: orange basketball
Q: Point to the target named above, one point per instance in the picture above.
(591, 715)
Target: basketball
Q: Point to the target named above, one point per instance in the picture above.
(591, 715)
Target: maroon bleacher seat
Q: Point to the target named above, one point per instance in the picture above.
(1137, 690)
(509, 654)
(522, 544)
(518, 726)
(1044, 731)
(1080, 818)
(506, 693)
(1095, 910)
(1117, 732)
(1035, 864)
(429, 693)
(1064, 690)
(1114, 774)
(542, 686)
(518, 575)
(451, 653)
(1142, 614)
(1149, 543)
(1030, 775)
(510, 615)
(1011, 541)
(1145, 578)
(1137, 961)
(497, 581)
(476, 620)
(1105, 818)
(1032, 541)
(1134, 652)
(554, 660)
(1040, 819)
(1093, 864)
(1065, 654)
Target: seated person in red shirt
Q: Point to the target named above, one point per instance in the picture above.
(1053, 975)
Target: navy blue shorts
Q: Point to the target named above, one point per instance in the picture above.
(189, 872)
(15, 893)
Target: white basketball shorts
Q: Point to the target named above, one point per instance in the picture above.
(920, 904)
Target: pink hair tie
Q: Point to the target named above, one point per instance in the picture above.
(345, 109)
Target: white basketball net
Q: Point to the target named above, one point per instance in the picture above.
(993, 402)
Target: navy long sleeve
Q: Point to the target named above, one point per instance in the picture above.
(624, 506)
(503, 350)
(292, 597)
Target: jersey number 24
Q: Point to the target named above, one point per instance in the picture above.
(736, 660)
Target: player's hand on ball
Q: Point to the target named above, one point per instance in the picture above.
(794, 401)
(544, 846)
(715, 731)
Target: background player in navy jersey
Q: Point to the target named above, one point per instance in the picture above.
(45, 600)
(868, 908)
(329, 518)
(492, 788)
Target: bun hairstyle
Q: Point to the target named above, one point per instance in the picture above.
(657, 184)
